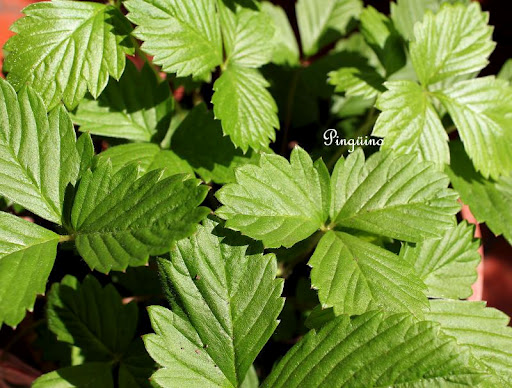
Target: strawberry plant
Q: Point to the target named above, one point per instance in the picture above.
(237, 193)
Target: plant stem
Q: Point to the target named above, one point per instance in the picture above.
(289, 110)
(67, 237)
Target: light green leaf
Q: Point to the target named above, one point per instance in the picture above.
(199, 141)
(410, 124)
(147, 157)
(278, 202)
(27, 253)
(323, 21)
(66, 48)
(381, 35)
(246, 109)
(38, 155)
(88, 375)
(455, 41)
(484, 332)
(137, 107)
(355, 276)
(362, 81)
(251, 379)
(480, 109)
(286, 50)
(226, 299)
(121, 219)
(392, 195)
(490, 201)
(91, 317)
(406, 13)
(374, 350)
(506, 71)
(183, 36)
(447, 265)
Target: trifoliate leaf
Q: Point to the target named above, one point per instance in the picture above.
(447, 265)
(379, 32)
(278, 202)
(199, 141)
(183, 36)
(355, 276)
(490, 201)
(409, 123)
(484, 332)
(38, 155)
(121, 219)
(480, 109)
(65, 48)
(374, 350)
(392, 195)
(455, 41)
(88, 375)
(286, 50)
(361, 81)
(27, 253)
(323, 21)
(226, 301)
(247, 35)
(147, 157)
(246, 109)
(136, 108)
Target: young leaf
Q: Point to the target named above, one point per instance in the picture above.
(480, 109)
(447, 265)
(27, 253)
(245, 107)
(286, 50)
(277, 202)
(455, 41)
(323, 21)
(226, 301)
(490, 201)
(147, 157)
(374, 350)
(183, 36)
(135, 108)
(66, 48)
(362, 81)
(410, 124)
(392, 195)
(484, 332)
(121, 219)
(91, 374)
(38, 155)
(355, 276)
(200, 142)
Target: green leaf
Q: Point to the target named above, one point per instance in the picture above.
(455, 41)
(136, 367)
(324, 21)
(251, 379)
(147, 157)
(381, 35)
(374, 350)
(38, 155)
(199, 141)
(447, 265)
(361, 81)
(484, 332)
(480, 109)
(319, 317)
(246, 109)
(506, 71)
(409, 123)
(27, 253)
(121, 219)
(490, 201)
(183, 36)
(278, 202)
(247, 35)
(286, 50)
(406, 13)
(89, 375)
(91, 317)
(226, 301)
(85, 149)
(95, 36)
(354, 276)
(137, 107)
(392, 195)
